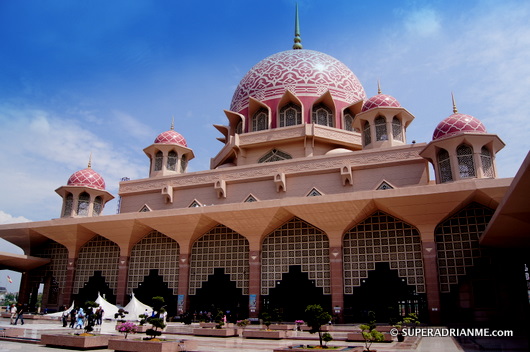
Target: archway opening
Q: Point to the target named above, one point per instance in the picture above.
(293, 294)
(153, 286)
(385, 294)
(220, 293)
(95, 284)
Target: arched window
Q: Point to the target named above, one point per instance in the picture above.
(239, 127)
(466, 166)
(260, 120)
(183, 163)
(367, 134)
(397, 130)
(172, 160)
(159, 157)
(381, 133)
(348, 122)
(274, 155)
(290, 115)
(82, 204)
(68, 204)
(487, 162)
(444, 166)
(322, 115)
(98, 206)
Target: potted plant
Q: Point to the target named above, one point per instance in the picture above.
(315, 318)
(409, 320)
(128, 328)
(370, 335)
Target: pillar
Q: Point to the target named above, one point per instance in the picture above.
(184, 283)
(121, 285)
(337, 283)
(254, 284)
(69, 282)
(432, 285)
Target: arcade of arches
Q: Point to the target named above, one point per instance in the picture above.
(382, 268)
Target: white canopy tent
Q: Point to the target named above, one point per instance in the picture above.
(109, 309)
(135, 308)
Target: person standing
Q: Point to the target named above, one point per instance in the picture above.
(73, 317)
(65, 316)
(13, 311)
(20, 314)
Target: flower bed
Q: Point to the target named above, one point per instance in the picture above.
(302, 348)
(228, 332)
(152, 346)
(76, 341)
(266, 334)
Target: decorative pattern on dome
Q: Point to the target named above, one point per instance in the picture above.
(303, 72)
(87, 178)
(381, 100)
(171, 137)
(456, 124)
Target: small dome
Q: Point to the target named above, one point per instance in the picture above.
(381, 100)
(87, 178)
(456, 124)
(171, 137)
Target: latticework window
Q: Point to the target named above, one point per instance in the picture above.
(382, 238)
(159, 157)
(144, 209)
(56, 268)
(295, 243)
(260, 120)
(348, 122)
(384, 185)
(322, 115)
(487, 162)
(98, 254)
(314, 193)
(154, 251)
(194, 204)
(444, 166)
(68, 204)
(183, 163)
(98, 206)
(250, 199)
(457, 243)
(239, 127)
(82, 204)
(172, 161)
(223, 248)
(381, 133)
(466, 166)
(397, 130)
(367, 133)
(290, 115)
(274, 155)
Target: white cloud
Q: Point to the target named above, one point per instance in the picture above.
(423, 22)
(6, 218)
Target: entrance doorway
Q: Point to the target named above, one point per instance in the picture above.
(220, 293)
(385, 294)
(96, 284)
(153, 286)
(293, 294)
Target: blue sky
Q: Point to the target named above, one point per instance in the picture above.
(106, 77)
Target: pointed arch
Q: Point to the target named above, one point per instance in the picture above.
(290, 110)
(444, 166)
(381, 133)
(487, 162)
(466, 165)
(274, 155)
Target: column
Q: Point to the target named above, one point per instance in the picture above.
(254, 284)
(121, 285)
(184, 283)
(337, 283)
(69, 282)
(432, 285)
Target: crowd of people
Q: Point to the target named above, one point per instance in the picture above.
(79, 318)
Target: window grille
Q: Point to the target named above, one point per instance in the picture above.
(444, 166)
(381, 133)
(466, 166)
(322, 115)
(397, 130)
(159, 157)
(98, 206)
(274, 155)
(348, 122)
(68, 204)
(172, 161)
(82, 204)
(290, 115)
(367, 134)
(260, 120)
(487, 162)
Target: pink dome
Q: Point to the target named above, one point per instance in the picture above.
(304, 73)
(456, 124)
(171, 137)
(381, 100)
(87, 178)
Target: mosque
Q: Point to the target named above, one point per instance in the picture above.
(316, 196)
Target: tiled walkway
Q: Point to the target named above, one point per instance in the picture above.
(33, 330)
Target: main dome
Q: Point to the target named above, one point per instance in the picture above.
(304, 73)
(87, 178)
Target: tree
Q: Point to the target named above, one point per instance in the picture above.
(315, 318)
(155, 320)
(370, 335)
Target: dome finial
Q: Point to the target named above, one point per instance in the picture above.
(172, 123)
(90, 161)
(378, 87)
(297, 39)
(455, 110)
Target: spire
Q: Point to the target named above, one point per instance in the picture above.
(378, 87)
(455, 110)
(90, 161)
(297, 39)
(172, 123)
